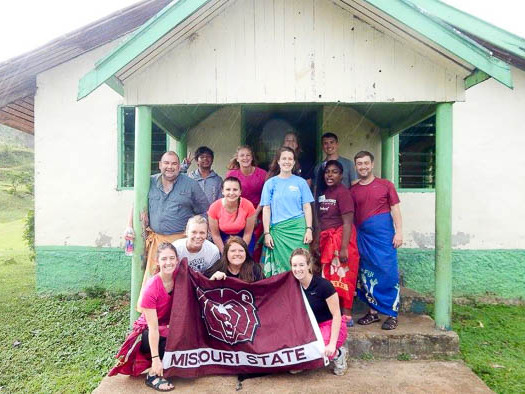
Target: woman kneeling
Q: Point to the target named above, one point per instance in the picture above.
(136, 356)
(324, 301)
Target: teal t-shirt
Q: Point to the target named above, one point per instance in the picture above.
(286, 197)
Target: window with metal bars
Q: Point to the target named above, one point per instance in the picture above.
(127, 148)
(417, 156)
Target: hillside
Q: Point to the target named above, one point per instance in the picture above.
(16, 182)
(13, 137)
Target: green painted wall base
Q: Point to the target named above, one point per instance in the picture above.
(75, 268)
(475, 272)
(497, 272)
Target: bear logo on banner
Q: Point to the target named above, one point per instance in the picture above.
(230, 316)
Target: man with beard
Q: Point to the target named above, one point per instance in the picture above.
(379, 234)
(173, 198)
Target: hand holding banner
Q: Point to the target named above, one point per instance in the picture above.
(233, 327)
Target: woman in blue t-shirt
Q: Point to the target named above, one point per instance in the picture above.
(324, 301)
(287, 213)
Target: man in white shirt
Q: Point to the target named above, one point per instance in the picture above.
(200, 252)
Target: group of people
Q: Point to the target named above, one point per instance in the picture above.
(334, 225)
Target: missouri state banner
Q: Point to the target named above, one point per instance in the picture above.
(232, 327)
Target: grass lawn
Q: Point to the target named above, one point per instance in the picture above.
(492, 343)
(54, 344)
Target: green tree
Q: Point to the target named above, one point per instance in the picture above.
(29, 232)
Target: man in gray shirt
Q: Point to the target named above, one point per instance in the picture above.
(173, 198)
(330, 144)
(208, 180)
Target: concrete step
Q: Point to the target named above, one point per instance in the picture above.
(414, 338)
(410, 302)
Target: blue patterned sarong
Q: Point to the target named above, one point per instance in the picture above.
(378, 279)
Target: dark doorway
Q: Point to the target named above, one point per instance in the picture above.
(265, 127)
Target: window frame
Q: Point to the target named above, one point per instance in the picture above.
(120, 145)
(396, 171)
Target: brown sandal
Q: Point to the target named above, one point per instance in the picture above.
(369, 318)
(390, 323)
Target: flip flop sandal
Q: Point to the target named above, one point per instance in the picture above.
(160, 381)
(390, 323)
(369, 318)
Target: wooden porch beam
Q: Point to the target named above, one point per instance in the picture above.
(142, 173)
(443, 270)
(476, 77)
(165, 123)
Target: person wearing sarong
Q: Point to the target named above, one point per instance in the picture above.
(337, 240)
(138, 354)
(172, 199)
(379, 234)
(243, 166)
(232, 215)
(287, 213)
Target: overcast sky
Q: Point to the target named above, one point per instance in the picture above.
(26, 25)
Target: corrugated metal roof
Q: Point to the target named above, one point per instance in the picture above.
(18, 75)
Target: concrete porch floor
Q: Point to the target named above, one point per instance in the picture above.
(385, 376)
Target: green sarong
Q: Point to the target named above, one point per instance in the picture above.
(287, 235)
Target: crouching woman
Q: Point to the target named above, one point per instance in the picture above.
(135, 356)
(324, 301)
(236, 262)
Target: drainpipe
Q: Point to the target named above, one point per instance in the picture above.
(142, 174)
(443, 268)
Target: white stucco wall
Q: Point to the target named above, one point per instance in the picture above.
(488, 187)
(488, 183)
(221, 131)
(76, 201)
(294, 51)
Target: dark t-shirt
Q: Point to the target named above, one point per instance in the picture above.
(257, 273)
(372, 199)
(317, 293)
(334, 202)
(306, 168)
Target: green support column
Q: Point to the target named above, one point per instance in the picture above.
(443, 304)
(387, 156)
(140, 205)
(181, 149)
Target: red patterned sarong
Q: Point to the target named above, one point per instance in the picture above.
(342, 275)
(130, 360)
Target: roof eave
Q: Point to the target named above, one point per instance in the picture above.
(408, 14)
(503, 39)
(154, 29)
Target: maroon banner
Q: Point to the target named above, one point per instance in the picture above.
(231, 327)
